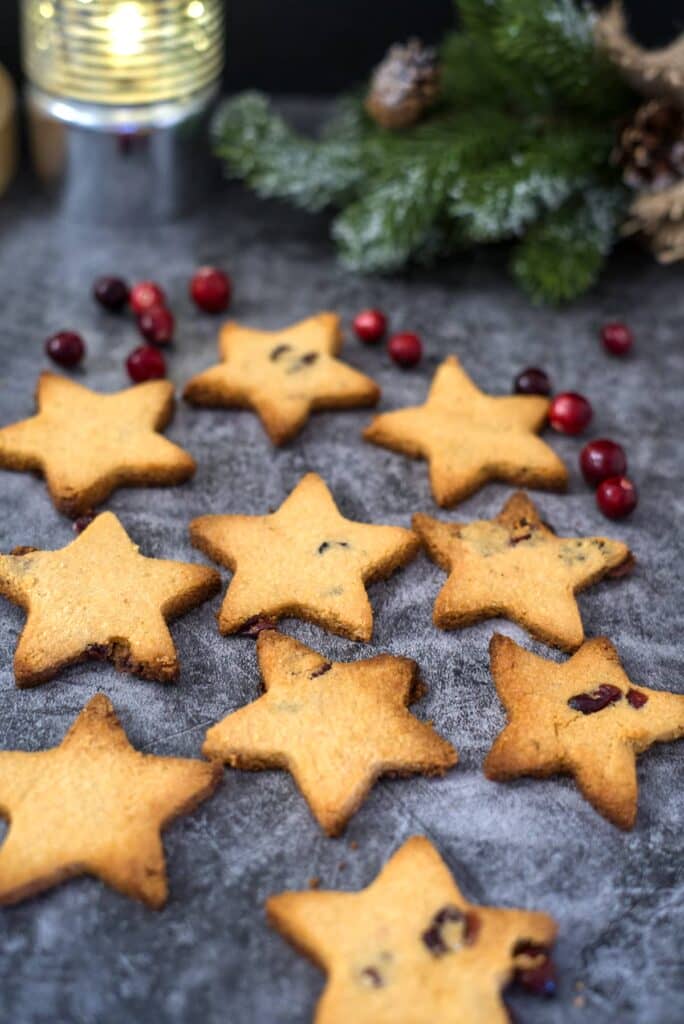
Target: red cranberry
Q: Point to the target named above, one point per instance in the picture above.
(405, 348)
(617, 338)
(157, 324)
(532, 381)
(83, 522)
(144, 295)
(370, 325)
(210, 289)
(616, 497)
(66, 348)
(111, 292)
(570, 413)
(145, 363)
(601, 459)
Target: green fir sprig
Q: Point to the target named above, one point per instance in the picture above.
(516, 151)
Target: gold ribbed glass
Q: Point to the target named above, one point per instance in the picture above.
(122, 52)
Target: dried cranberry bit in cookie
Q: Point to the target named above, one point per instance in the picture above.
(522, 530)
(636, 698)
(306, 360)
(534, 968)
(449, 930)
(321, 670)
(279, 351)
(597, 700)
(371, 977)
(257, 624)
(322, 548)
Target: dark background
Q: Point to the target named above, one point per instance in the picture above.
(309, 46)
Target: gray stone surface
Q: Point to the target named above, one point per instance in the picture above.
(83, 953)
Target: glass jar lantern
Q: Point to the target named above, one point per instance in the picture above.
(118, 98)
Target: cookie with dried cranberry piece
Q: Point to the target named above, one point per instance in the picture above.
(87, 444)
(304, 560)
(369, 730)
(469, 437)
(516, 567)
(283, 375)
(100, 598)
(584, 718)
(93, 805)
(410, 947)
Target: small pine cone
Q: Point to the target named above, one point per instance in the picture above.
(404, 85)
(650, 147)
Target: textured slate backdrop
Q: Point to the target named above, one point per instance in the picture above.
(81, 952)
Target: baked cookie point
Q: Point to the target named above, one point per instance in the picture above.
(469, 437)
(410, 947)
(304, 560)
(100, 598)
(283, 375)
(516, 567)
(583, 717)
(87, 444)
(335, 726)
(93, 805)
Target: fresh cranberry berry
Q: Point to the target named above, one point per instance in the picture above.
(145, 363)
(83, 522)
(144, 295)
(405, 348)
(617, 338)
(616, 497)
(570, 413)
(370, 325)
(157, 324)
(66, 348)
(111, 292)
(532, 381)
(210, 289)
(601, 459)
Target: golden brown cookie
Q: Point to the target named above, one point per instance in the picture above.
(87, 444)
(410, 949)
(93, 806)
(469, 437)
(515, 566)
(100, 598)
(305, 560)
(584, 717)
(283, 375)
(336, 726)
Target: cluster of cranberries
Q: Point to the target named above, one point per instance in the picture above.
(603, 462)
(405, 348)
(210, 290)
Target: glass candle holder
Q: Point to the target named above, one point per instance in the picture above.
(118, 98)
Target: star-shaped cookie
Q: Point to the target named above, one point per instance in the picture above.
(283, 375)
(515, 566)
(335, 726)
(584, 717)
(100, 598)
(87, 444)
(93, 805)
(469, 437)
(304, 560)
(410, 949)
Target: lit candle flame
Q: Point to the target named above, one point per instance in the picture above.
(126, 24)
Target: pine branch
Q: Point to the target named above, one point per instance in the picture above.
(499, 201)
(259, 147)
(562, 255)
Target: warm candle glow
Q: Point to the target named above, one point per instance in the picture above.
(123, 52)
(126, 24)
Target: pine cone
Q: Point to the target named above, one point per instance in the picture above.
(650, 147)
(404, 85)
